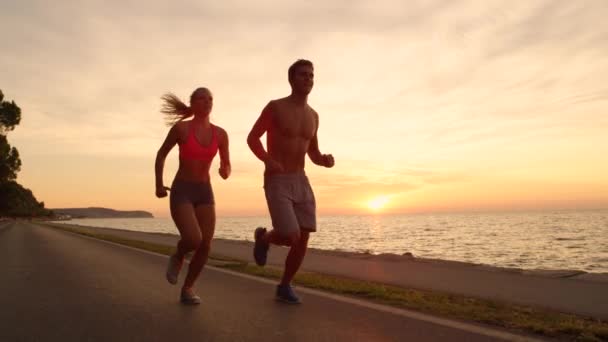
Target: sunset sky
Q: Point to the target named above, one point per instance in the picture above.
(427, 106)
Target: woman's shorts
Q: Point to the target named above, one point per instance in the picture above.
(196, 193)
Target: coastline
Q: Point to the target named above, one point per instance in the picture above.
(229, 244)
(547, 241)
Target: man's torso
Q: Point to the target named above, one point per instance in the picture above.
(290, 133)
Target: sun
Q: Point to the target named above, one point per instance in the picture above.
(378, 203)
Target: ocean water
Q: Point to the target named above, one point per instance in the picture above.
(552, 240)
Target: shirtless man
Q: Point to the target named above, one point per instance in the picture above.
(291, 127)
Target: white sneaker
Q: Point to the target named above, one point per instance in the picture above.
(190, 298)
(173, 269)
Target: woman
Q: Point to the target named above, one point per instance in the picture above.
(191, 202)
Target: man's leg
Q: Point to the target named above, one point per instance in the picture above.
(276, 238)
(305, 211)
(286, 229)
(295, 258)
(292, 265)
(263, 239)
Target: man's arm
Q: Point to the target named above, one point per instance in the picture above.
(314, 154)
(260, 127)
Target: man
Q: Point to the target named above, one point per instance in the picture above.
(291, 127)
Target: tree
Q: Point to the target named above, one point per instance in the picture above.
(10, 115)
(15, 200)
(10, 163)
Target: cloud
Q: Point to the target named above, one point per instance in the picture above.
(423, 89)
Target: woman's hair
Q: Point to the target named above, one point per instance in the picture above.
(174, 109)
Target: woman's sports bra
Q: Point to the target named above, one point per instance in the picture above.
(193, 150)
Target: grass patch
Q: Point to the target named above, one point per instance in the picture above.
(510, 316)
(514, 317)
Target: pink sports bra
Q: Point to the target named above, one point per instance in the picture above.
(193, 150)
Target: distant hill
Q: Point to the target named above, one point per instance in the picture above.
(93, 212)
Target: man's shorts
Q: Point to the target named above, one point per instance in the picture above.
(291, 203)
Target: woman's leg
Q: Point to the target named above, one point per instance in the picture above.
(184, 216)
(205, 215)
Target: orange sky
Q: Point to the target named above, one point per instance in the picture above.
(431, 106)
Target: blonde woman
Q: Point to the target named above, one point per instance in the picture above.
(191, 201)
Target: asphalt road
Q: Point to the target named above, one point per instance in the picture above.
(56, 286)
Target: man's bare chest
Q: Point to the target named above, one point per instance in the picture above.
(295, 124)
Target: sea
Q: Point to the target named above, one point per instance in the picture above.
(545, 240)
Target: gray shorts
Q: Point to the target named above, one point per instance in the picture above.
(291, 202)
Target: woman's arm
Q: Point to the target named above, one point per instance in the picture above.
(225, 167)
(161, 155)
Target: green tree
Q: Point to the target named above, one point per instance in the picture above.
(10, 115)
(15, 200)
(10, 163)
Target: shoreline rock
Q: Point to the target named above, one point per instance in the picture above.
(98, 212)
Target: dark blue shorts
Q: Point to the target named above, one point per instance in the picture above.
(196, 193)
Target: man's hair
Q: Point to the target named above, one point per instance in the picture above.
(300, 62)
